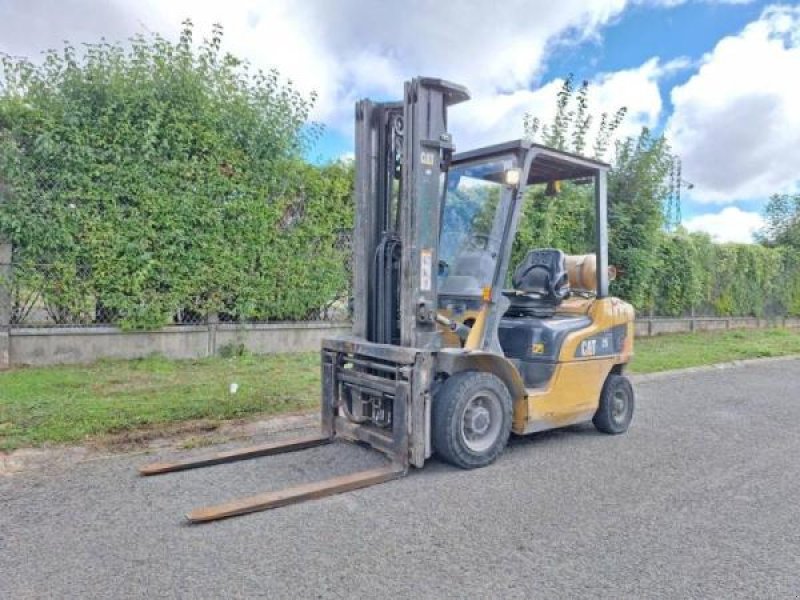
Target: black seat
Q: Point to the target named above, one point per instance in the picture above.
(540, 284)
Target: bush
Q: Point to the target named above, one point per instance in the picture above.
(697, 275)
(660, 272)
(160, 177)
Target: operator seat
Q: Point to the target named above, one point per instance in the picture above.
(530, 333)
(540, 284)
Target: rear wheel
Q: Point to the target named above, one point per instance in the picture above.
(616, 405)
(471, 419)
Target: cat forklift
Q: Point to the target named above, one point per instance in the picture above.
(445, 357)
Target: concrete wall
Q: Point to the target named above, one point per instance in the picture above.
(271, 338)
(64, 345)
(658, 325)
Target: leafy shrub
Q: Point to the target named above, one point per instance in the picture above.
(697, 275)
(661, 272)
(161, 177)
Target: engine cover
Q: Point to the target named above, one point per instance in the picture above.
(534, 343)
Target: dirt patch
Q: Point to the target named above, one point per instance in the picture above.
(179, 436)
(139, 439)
(28, 459)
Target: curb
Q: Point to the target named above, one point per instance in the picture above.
(734, 364)
(235, 433)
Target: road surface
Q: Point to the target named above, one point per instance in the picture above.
(700, 499)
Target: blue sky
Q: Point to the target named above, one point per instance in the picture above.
(641, 32)
(685, 31)
(718, 77)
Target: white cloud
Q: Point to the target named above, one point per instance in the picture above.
(497, 116)
(731, 224)
(736, 122)
(673, 3)
(350, 48)
(355, 48)
(635, 88)
(30, 27)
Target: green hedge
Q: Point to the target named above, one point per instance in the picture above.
(162, 178)
(665, 274)
(158, 179)
(694, 273)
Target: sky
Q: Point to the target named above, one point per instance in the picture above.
(720, 78)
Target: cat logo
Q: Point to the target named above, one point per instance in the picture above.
(538, 348)
(588, 347)
(427, 158)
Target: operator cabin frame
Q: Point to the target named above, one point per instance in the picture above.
(532, 164)
(538, 407)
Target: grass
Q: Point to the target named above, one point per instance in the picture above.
(678, 351)
(73, 403)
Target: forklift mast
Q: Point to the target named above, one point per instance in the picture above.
(402, 150)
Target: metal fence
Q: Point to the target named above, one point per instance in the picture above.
(58, 295)
(37, 298)
(64, 295)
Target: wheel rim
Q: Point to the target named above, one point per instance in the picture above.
(481, 422)
(619, 406)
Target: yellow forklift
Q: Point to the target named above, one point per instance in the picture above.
(445, 357)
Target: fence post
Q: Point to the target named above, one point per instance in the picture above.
(5, 305)
(212, 320)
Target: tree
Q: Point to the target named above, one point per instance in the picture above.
(639, 182)
(782, 216)
(572, 124)
(163, 177)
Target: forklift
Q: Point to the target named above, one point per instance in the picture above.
(451, 351)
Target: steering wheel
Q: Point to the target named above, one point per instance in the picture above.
(485, 242)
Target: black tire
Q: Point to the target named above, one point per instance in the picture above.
(457, 435)
(616, 405)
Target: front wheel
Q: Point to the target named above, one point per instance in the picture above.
(471, 419)
(616, 405)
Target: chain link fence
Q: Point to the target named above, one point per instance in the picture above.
(59, 295)
(66, 295)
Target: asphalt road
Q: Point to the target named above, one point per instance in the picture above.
(699, 499)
